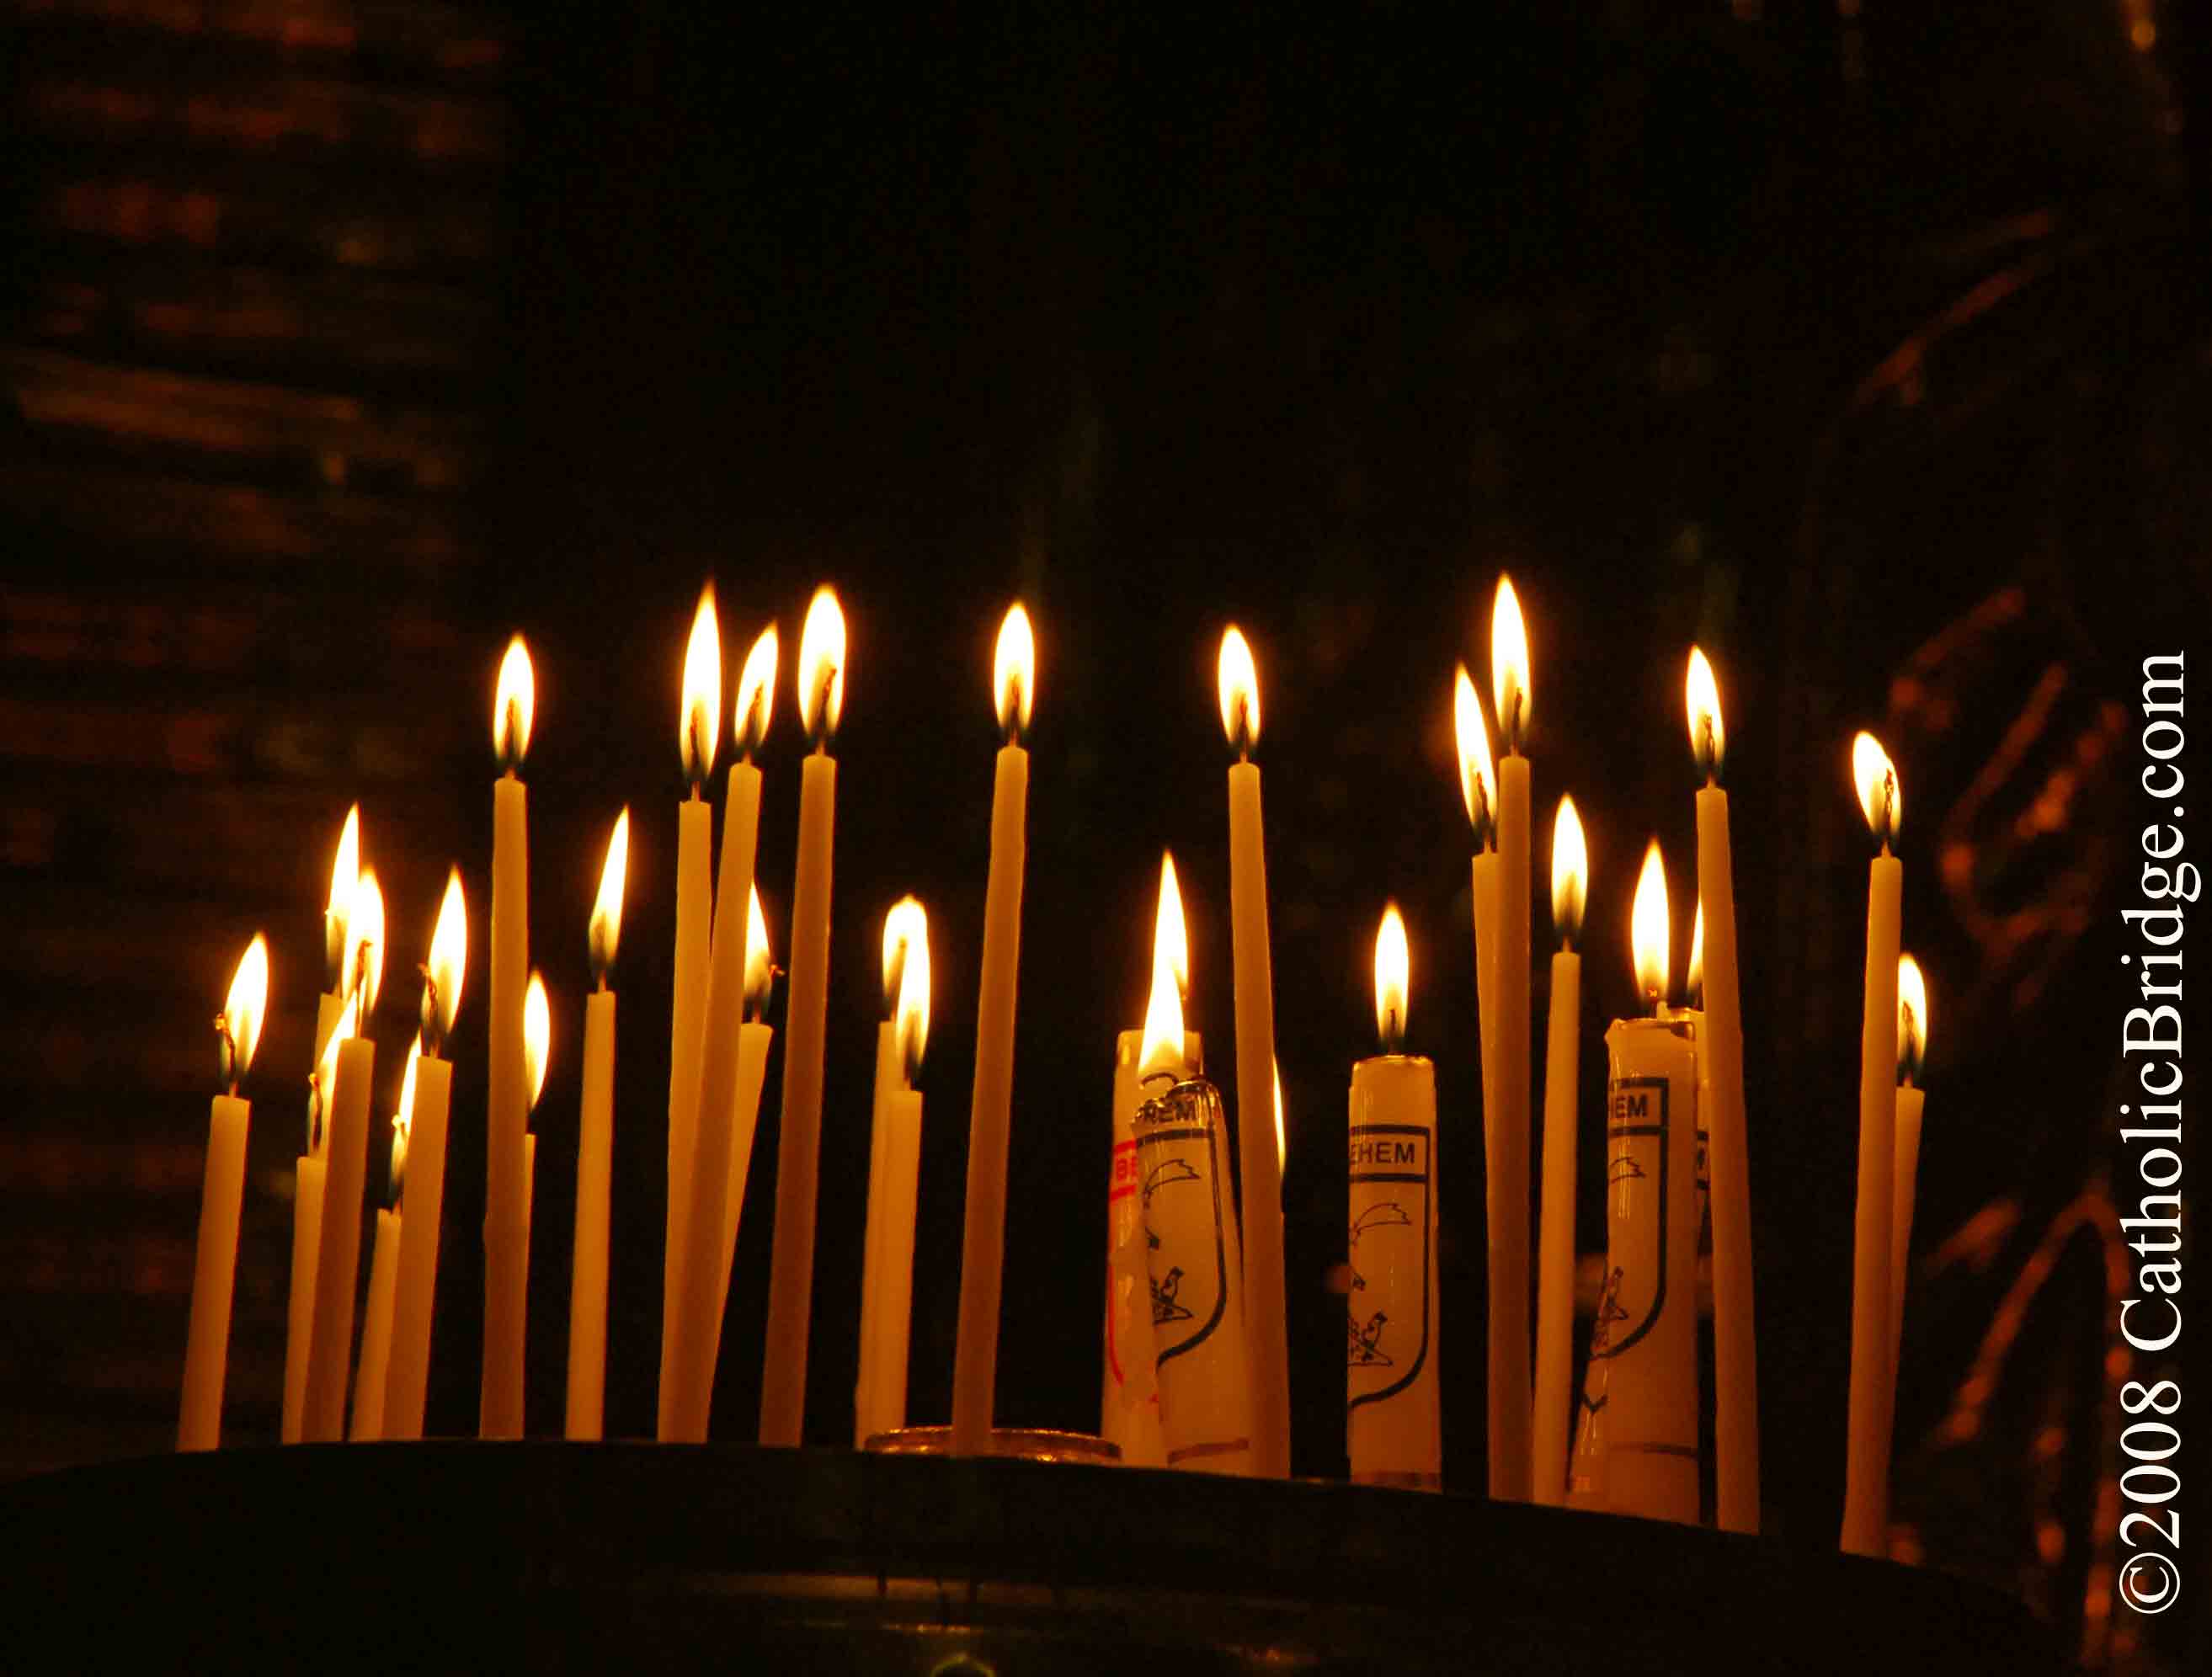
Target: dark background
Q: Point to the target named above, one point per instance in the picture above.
(1866, 350)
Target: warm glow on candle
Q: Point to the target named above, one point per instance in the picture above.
(1239, 682)
(240, 1023)
(1647, 928)
(448, 962)
(514, 704)
(1478, 780)
(322, 1084)
(605, 930)
(1694, 980)
(1013, 674)
(1282, 1151)
(1875, 777)
(699, 727)
(345, 870)
(756, 688)
(365, 945)
(1169, 937)
(1912, 1019)
(1708, 739)
(1392, 975)
(1570, 872)
(912, 1020)
(821, 668)
(1509, 669)
(403, 1122)
(537, 1036)
(760, 965)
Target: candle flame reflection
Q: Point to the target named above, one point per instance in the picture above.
(760, 969)
(1282, 1153)
(699, 726)
(1875, 777)
(1509, 669)
(447, 965)
(756, 691)
(513, 706)
(243, 1010)
(1013, 675)
(1648, 928)
(1238, 679)
(1708, 739)
(1693, 979)
(1393, 979)
(821, 668)
(1570, 872)
(1477, 779)
(1912, 1019)
(537, 1035)
(604, 932)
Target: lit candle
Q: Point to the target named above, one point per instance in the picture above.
(1865, 1473)
(697, 731)
(370, 1379)
(587, 1289)
(1264, 1319)
(689, 1388)
(1911, 1049)
(983, 1245)
(754, 1037)
(1393, 1425)
(1555, 1276)
(506, 1271)
(887, 1282)
(799, 1144)
(1129, 1395)
(536, 1043)
(1638, 1454)
(1735, 1349)
(1192, 1262)
(337, 1265)
(415, 1289)
(222, 1193)
(1510, 1441)
(307, 1242)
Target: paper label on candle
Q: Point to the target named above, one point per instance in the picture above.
(1636, 1210)
(1181, 1193)
(1387, 1304)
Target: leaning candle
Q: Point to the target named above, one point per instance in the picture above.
(983, 1243)
(798, 1147)
(536, 1043)
(588, 1290)
(887, 1288)
(696, 732)
(1865, 1473)
(1911, 1047)
(1555, 1267)
(899, 927)
(1393, 1409)
(1735, 1347)
(222, 1193)
(506, 1276)
(754, 1037)
(1510, 1441)
(415, 1285)
(690, 1362)
(1264, 1320)
(369, 1382)
(337, 1266)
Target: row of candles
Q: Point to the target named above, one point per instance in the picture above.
(1219, 1399)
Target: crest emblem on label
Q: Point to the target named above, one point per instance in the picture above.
(1181, 1173)
(1636, 1213)
(1387, 1246)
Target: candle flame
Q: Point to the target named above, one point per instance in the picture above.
(1509, 669)
(345, 869)
(1162, 1048)
(1239, 680)
(1013, 675)
(604, 930)
(514, 704)
(243, 1010)
(756, 691)
(760, 969)
(1282, 1153)
(1171, 937)
(1708, 739)
(1393, 979)
(1570, 872)
(1912, 1018)
(821, 668)
(322, 1084)
(365, 944)
(1648, 928)
(1876, 778)
(448, 964)
(699, 726)
(1694, 980)
(537, 1035)
(1477, 779)
(911, 1023)
(403, 1122)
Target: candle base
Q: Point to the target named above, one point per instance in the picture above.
(1016, 1443)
